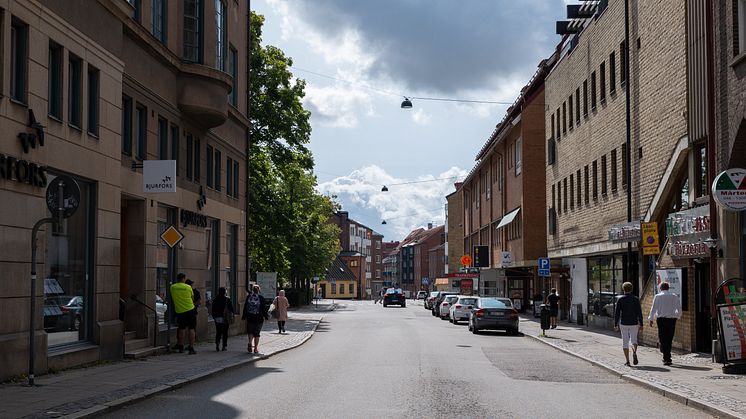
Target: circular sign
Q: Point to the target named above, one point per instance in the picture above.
(729, 189)
(70, 195)
(466, 260)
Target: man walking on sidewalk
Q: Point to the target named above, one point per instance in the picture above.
(186, 316)
(666, 308)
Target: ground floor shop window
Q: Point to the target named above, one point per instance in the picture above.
(165, 264)
(231, 239)
(605, 278)
(212, 238)
(68, 273)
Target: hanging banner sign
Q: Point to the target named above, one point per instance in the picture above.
(159, 176)
(729, 189)
(628, 232)
(650, 244)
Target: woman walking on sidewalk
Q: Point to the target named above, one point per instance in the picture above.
(281, 310)
(629, 313)
(254, 312)
(222, 313)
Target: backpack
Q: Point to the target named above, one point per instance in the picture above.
(253, 304)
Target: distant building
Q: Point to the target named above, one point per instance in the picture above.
(357, 238)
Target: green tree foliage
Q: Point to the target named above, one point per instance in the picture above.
(288, 220)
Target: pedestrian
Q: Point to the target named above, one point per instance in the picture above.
(628, 319)
(222, 313)
(379, 297)
(186, 319)
(553, 300)
(281, 310)
(666, 310)
(254, 312)
(197, 299)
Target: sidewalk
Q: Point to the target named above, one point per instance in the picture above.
(693, 379)
(90, 391)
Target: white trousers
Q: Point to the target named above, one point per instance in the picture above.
(629, 334)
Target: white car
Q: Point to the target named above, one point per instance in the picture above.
(421, 295)
(446, 305)
(461, 309)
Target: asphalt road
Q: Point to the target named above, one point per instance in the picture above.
(367, 361)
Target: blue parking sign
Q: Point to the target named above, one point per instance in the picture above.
(544, 267)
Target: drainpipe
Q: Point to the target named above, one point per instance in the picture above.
(247, 259)
(628, 156)
(711, 161)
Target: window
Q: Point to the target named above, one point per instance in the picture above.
(232, 242)
(351, 287)
(74, 91)
(586, 185)
(571, 195)
(192, 37)
(189, 157)
(18, 60)
(700, 171)
(602, 81)
(604, 176)
(218, 170)
(221, 30)
(551, 151)
(577, 106)
(564, 118)
(127, 125)
(612, 73)
(55, 81)
(622, 64)
(613, 171)
(553, 197)
(175, 146)
(518, 157)
(585, 98)
(595, 179)
(235, 178)
(499, 173)
(229, 176)
(93, 89)
(740, 27)
(552, 136)
(580, 189)
(564, 193)
(559, 197)
(593, 91)
(142, 132)
(569, 109)
(162, 139)
(208, 158)
(160, 14)
(559, 132)
(197, 160)
(624, 165)
(137, 5)
(233, 66)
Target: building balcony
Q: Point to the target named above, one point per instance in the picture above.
(203, 94)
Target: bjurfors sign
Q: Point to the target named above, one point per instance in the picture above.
(159, 176)
(729, 189)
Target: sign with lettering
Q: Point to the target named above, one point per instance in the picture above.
(22, 171)
(628, 232)
(729, 189)
(732, 319)
(676, 279)
(192, 218)
(687, 230)
(650, 239)
(158, 176)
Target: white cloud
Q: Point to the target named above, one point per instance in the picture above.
(408, 204)
(420, 117)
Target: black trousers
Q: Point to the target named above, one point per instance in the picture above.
(281, 325)
(221, 330)
(666, 330)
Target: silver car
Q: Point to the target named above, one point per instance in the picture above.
(494, 314)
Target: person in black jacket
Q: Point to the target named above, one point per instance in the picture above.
(629, 313)
(222, 311)
(254, 312)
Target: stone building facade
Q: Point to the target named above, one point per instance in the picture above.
(113, 84)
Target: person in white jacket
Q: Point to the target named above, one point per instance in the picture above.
(666, 310)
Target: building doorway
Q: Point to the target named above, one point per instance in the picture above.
(703, 300)
(132, 264)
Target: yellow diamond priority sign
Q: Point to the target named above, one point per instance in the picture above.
(172, 236)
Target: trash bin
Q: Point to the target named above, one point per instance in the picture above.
(579, 311)
(544, 317)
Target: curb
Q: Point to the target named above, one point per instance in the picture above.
(119, 403)
(655, 388)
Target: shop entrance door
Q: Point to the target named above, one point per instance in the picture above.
(518, 289)
(702, 303)
(132, 264)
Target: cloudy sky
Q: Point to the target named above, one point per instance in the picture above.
(360, 57)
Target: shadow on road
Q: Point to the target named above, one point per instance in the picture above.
(691, 367)
(650, 368)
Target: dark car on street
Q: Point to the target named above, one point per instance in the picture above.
(435, 307)
(493, 314)
(394, 296)
(62, 313)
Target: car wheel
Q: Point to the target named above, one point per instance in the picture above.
(403, 306)
(474, 330)
(385, 305)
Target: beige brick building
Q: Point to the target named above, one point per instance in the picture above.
(112, 83)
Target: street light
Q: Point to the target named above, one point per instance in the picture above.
(384, 189)
(383, 222)
(406, 103)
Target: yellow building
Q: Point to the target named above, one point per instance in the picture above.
(339, 282)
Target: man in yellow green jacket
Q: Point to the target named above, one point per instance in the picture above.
(186, 316)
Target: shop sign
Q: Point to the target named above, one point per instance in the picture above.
(462, 275)
(687, 231)
(507, 259)
(22, 171)
(627, 232)
(729, 189)
(467, 285)
(733, 331)
(676, 279)
(159, 176)
(192, 218)
(650, 239)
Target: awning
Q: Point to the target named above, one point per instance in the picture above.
(508, 218)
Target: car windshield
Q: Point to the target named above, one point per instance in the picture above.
(468, 301)
(393, 291)
(451, 300)
(495, 303)
(434, 294)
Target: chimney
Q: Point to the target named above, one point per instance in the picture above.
(429, 226)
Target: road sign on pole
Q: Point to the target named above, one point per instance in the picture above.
(544, 267)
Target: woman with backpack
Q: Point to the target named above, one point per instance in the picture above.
(254, 312)
(222, 312)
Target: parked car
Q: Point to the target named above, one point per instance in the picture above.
(445, 306)
(63, 312)
(394, 296)
(430, 299)
(435, 306)
(160, 308)
(461, 309)
(493, 314)
(610, 307)
(421, 295)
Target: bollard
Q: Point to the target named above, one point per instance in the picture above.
(544, 319)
